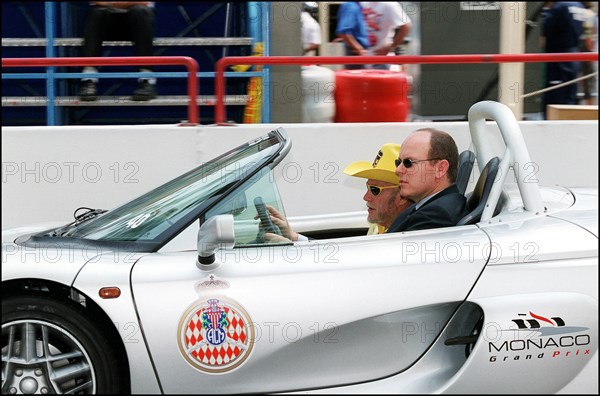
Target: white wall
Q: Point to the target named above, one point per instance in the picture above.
(48, 172)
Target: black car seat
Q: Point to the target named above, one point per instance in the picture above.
(465, 167)
(477, 201)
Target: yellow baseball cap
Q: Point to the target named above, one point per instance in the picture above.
(383, 168)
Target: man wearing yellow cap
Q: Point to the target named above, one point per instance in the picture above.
(383, 199)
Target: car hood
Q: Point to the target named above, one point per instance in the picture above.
(10, 234)
(60, 263)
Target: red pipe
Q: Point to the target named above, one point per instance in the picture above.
(381, 59)
(189, 63)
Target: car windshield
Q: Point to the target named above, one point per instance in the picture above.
(180, 200)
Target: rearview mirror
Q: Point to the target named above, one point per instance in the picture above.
(216, 233)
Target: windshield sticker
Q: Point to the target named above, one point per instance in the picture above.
(216, 335)
(138, 220)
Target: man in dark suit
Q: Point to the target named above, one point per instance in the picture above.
(427, 168)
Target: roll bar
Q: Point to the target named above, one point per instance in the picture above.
(515, 155)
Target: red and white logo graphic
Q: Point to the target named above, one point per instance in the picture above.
(216, 335)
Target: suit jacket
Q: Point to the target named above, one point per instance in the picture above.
(444, 209)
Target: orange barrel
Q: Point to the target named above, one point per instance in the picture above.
(371, 95)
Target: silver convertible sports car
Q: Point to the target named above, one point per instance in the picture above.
(178, 291)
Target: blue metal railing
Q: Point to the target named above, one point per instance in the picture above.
(259, 29)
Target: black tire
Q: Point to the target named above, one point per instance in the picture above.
(71, 354)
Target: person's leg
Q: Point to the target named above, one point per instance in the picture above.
(571, 72)
(141, 28)
(381, 66)
(141, 24)
(588, 83)
(558, 73)
(552, 78)
(595, 82)
(349, 52)
(97, 26)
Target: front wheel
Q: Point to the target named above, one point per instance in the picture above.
(52, 347)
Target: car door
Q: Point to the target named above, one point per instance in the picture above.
(311, 315)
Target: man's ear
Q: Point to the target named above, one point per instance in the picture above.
(441, 169)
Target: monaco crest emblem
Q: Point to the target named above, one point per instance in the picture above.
(216, 335)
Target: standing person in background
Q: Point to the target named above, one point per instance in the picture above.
(589, 43)
(352, 30)
(595, 49)
(119, 20)
(387, 26)
(311, 31)
(562, 28)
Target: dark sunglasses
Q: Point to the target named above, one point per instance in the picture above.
(375, 190)
(408, 162)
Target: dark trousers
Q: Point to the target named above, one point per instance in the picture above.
(558, 73)
(107, 24)
(348, 52)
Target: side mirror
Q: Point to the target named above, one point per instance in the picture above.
(216, 233)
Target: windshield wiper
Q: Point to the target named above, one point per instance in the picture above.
(88, 215)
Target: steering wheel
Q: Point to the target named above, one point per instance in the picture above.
(265, 219)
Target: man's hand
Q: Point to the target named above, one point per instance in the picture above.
(274, 238)
(288, 234)
(383, 50)
(280, 221)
